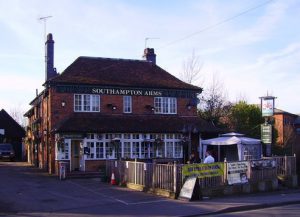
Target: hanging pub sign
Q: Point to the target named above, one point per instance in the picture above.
(267, 106)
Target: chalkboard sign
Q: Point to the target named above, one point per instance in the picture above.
(190, 189)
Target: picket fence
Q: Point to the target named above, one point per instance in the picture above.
(168, 176)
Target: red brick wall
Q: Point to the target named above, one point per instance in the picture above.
(139, 104)
(58, 113)
(94, 165)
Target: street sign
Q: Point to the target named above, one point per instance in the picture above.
(266, 133)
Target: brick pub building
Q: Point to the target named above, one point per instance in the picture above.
(104, 108)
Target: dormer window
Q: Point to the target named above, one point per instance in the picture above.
(86, 103)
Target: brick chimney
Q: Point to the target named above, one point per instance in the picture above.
(50, 71)
(149, 55)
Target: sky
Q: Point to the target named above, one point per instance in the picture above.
(252, 46)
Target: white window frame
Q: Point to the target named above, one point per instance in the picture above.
(126, 151)
(87, 103)
(101, 149)
(127, 104)
(65, 154)
(165, 105)
(135, 142)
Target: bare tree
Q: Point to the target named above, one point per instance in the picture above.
(214, 103)
(191, 69)
(18, 115)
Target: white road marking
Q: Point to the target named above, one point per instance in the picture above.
(113, 198)
(145, 202)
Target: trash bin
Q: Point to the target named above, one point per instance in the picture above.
(62, 170)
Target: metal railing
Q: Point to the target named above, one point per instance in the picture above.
(286, 165)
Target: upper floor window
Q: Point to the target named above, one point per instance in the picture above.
(165, 105)
(127, 104)
(86, 103)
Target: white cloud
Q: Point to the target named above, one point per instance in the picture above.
(276, 72)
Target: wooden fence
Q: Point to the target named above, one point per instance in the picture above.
(168, 177)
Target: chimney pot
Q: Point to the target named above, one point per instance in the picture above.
(150, 55)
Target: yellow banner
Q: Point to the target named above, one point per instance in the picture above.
(203, 170)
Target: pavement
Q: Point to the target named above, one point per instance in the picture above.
(27, 191)
(254, 201)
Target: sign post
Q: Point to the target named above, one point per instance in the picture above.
(267, 110)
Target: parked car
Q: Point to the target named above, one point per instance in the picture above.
(7, 151)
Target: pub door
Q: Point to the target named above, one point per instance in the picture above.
(75, 155)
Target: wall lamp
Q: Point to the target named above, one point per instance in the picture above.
(63, 103)
(150, 107)
(189, 106)
(113, 107)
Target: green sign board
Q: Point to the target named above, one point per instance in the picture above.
(266, 133)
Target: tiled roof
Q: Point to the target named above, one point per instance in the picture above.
(119, 72)
(279, 111)
(93, 122)
(11, 127)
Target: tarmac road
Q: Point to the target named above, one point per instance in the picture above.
(26, 191)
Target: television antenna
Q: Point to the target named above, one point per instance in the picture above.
(146, 40)
(45, 25)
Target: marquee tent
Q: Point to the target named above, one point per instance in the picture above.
(246, 147)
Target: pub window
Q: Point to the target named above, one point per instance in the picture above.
(169, 136)
(165, 105)
(108, 136)
(109, 150)
(160, 150)
(90, 136)
(126, 136)
(144, 150)
(127, 104)
(91, 146)
(152, 136)
(178, 136)
(135, 149)
(169, 149)
(99, 150)
(86, 103)
(135, 136)
(126, 150)
(62, 150)
(177, 150)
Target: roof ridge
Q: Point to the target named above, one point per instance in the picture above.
(109, 58)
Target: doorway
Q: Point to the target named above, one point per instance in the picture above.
(75, 155)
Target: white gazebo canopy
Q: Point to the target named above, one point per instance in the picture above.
(233, 134)
(238, 139)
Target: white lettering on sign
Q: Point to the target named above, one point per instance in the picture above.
(109, 91)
